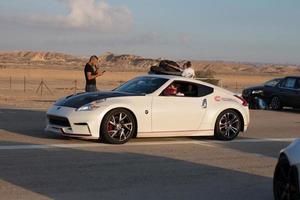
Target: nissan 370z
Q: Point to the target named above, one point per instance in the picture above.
(151, 106)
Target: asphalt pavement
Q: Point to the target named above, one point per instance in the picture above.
(36, 165)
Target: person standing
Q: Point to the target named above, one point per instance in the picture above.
(188, 71)
(91, 72)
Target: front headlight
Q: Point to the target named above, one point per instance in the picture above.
(257, 92)
(91, 106)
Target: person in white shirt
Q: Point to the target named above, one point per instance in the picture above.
(188, 71)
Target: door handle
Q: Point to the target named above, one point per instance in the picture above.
(204, 103)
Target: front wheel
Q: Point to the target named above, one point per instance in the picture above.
(118, 126)
(228, 125)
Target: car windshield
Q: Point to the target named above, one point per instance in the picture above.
(273, 82)
(142, 85)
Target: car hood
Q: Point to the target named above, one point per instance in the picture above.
(257, 87)
(78, 100)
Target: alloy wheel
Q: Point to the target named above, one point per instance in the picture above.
(119, 126)
(229, 125)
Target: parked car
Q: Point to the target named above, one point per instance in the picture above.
(151, 106)
(286, 175)
(276, 93)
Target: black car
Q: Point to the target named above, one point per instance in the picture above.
(276, 93)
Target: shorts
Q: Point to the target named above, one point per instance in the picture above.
(91, 88)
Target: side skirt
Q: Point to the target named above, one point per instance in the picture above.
(176, 133)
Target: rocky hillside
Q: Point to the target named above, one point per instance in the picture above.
(30, 56)
(126, 61)
(245, 68)
(131, 62)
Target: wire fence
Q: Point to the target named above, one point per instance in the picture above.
(51, 87)
(40, 86)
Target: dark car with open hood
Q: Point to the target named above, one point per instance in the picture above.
(276, 93)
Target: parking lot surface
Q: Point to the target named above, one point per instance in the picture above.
(36, 165)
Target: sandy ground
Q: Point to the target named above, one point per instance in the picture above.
(14, 93)
(60, 82)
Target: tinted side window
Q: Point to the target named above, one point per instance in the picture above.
(181, 89)
(289, 83)
(204, 90)
(298, 84)
(187, 89)
(272, 83)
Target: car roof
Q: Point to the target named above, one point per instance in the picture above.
(173, 77)
(292, 77)
(180, 78)
(165, 76)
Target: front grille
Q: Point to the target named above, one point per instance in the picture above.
(59, 121)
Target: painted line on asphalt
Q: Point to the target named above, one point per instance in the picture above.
(46, 146)
(206, 143)
(202, 143)
(257, 140)
(90, 145)
(7, 108)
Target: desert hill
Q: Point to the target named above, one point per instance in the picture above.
(245, 68)
(126, 62)
(30, 56)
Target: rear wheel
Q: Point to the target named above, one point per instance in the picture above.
(118, 126)
(276, 103)
(228, 125)
(285, 181)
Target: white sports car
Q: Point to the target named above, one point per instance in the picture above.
(151, 106)
(286, 176)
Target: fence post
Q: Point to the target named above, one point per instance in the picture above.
(42, 86)
(236, 86)
(24, 83)
(221, 83)
(10, 83)
(75, 87)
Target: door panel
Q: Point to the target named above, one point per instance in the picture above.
(297, 104)
(289, 92)
(289, 96)
(173, 113)
(298, 93)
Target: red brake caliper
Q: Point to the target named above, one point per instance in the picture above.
(110, 127)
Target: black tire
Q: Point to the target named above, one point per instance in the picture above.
(275, 103)
(285, 181)
(118, 126)
(228, 125)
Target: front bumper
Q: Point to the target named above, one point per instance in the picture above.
(69, 122)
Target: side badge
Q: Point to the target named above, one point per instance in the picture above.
(218, 98)
(204, 103)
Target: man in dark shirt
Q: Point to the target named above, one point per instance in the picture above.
(91, 72)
